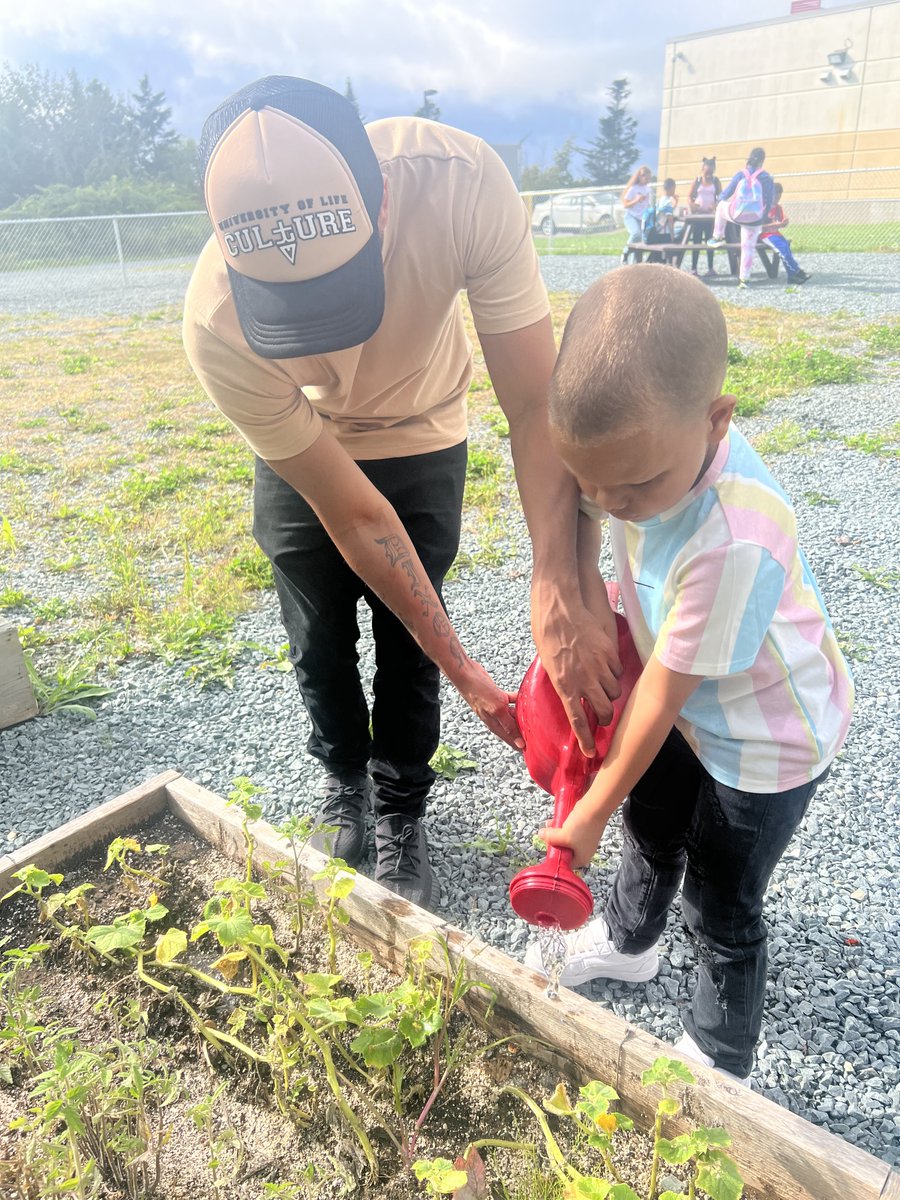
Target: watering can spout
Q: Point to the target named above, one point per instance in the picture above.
(551, 894)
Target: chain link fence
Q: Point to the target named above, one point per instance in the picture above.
(830, 212)
(74, 264)
(85, 265)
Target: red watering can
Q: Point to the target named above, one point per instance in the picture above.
(550, 893)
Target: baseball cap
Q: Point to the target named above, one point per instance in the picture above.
(294, 189)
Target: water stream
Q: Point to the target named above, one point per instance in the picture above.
(554, 956)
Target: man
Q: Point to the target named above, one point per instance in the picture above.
(323, 319)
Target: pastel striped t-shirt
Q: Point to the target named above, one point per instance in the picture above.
(718, 586)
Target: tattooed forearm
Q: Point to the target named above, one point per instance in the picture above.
(399, 555)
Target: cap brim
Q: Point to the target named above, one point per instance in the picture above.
(316, 316)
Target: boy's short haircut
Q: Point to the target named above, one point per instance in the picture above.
(669, 183)
(778, 189)
(642, 339)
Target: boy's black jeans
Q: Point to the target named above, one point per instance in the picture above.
(319, 593)
(679, 820)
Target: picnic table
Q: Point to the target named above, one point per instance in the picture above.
(674, 251)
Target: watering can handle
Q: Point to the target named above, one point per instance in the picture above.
(559, 858)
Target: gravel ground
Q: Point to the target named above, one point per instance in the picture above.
(831, 1035)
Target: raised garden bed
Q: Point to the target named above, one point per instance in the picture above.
(781, 1156)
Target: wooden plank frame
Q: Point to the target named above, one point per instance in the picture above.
(17, 702)
(781, 1156)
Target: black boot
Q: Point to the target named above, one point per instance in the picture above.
(401, 851)
(343, 816)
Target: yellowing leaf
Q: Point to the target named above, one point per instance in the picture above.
(171, 945)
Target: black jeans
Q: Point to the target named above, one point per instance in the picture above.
(680, 821)
(319, 593)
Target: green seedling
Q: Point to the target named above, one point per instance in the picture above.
(117, 853)
(22, 1027)
(341, 881)
(447, 761)
(242, 797)
(225, 1148)
(296, 830)
(440, 1176)
(127, 931)
(714, 1171)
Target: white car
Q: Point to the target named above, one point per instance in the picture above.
(594, 212)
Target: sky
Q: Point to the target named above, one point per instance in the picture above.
(523, 71)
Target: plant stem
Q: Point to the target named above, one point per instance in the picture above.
(556, 1156)
(654, 1165)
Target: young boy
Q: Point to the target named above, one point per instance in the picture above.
(777, 221)
(744, 699)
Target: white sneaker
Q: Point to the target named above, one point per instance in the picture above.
(686, 1047)
(715, 242)
(591, 956)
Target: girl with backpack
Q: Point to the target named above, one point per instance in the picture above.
(704, 196)
(745, 202)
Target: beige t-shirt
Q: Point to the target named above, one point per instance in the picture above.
(455, 221)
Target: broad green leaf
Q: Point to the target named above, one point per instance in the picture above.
(317, 984)
(155, 912)
(411, 1027)
(329, 1012)
(342, 885)
(621, 1191)
(379, 1047)
(586, 1188)
(625, 1123)
(678, 1149)
(668, 1106)
(705, 1138)
(666, 1071)
(233, 929)
(109, 938)
(72, 1118)
(376, 1007)
(595, 1099)
(719, 1177)
(441, 1175)
(171, 945)
(673, 1196)
(36, 877)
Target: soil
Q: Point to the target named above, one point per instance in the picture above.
(319, 1154)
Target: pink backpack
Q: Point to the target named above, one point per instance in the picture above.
(746, 207)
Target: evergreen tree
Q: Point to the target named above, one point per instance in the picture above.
(152, 125)
(609, 157)
(350, 95)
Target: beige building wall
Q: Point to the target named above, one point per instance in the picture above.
(731, 89)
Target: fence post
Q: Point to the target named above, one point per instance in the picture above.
(119, 250)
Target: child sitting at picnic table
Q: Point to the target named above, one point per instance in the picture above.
(744, 699)
(665, 210)
(770, 234)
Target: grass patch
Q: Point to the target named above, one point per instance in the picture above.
(12, 598)
(785, 437)
(883, 339)
(819, 500)
(758, 376)
(883, 443)
(805, 239)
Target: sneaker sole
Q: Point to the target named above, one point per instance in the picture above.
(572, 978)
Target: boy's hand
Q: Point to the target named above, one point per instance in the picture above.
(581, 833)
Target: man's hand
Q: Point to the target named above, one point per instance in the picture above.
(580, 653)
(580, 833)
(490, 704)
